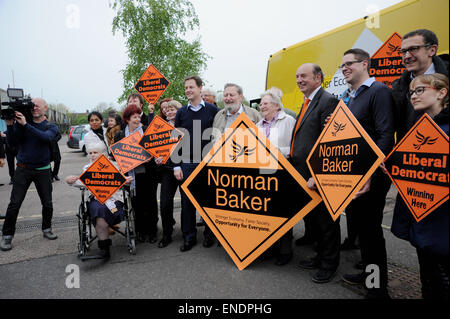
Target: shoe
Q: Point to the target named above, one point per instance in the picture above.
(304, 241)
(347, 245)
(49, 234)
(103, 253)
(165, 241)
(56, 178)
(141, 238)
(359, 265)
(355, 279)
(309, 264)
(323, 276)
(208, 242)
(6, 243)
(152, 239)
(187, 245)
(283, 259)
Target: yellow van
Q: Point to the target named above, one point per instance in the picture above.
(368, 33)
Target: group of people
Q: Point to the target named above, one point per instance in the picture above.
(385, 114)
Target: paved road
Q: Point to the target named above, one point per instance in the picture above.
(36, 263)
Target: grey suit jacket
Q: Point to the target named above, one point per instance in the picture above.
(322, 105)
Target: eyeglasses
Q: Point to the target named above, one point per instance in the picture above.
(412, 49)
(419, 90)
(348, 64)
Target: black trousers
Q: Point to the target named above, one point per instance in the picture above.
(145, 204)
(367, 212)
(56, 165)
(23, 178)
(169, 185)
(327, 236)
(434, 275)
(188, 211)
(10, 158)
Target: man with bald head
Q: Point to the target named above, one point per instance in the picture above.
(33, 140)
(311, 119)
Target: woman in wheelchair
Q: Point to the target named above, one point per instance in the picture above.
(106, 215)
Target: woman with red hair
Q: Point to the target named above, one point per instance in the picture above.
(144, 185)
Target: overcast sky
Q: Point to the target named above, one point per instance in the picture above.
(65, 51)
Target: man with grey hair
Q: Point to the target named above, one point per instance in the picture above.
(232, 98)
(319, 225)
(209, 95)
(279, 93)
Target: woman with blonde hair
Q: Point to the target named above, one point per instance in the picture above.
(428, 94)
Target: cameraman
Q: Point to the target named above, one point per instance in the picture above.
(33, 165)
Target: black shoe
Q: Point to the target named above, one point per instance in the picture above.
(187, 245)
(56, 178)
(208, 242)
(359, 265)
(347, 245)
(355, 279)
(103, 253)
(165, 241)
(152, 239)
(309, 264)
(141, 238)
(323, 276)
(201, 223)
(304, 241)
(283, 259)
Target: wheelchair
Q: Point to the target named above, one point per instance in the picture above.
(85, 226)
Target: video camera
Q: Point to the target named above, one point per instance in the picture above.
(17, 103)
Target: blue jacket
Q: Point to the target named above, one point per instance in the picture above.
(432, 232)
(33, 141)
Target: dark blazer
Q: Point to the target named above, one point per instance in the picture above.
(322, 105)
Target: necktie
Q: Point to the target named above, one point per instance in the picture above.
(300, 117)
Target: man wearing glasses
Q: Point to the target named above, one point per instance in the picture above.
(372, 104)
(418, 51)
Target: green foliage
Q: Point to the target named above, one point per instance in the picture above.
(155, 32)
(80, 119)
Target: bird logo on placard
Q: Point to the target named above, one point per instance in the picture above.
(422, 140)
(238, 151)
(158, 126)
(393, 49)
(101, 166)
(338, 127)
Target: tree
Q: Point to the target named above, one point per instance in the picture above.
(154, 31)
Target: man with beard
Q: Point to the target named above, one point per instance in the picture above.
(232, 98)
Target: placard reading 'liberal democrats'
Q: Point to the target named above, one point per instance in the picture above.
(102, 179)
(152, 84)
(342, 160)
(160, 139)
(247, 192)
(418, 167)
(128, 153)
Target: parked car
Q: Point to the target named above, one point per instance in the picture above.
(76, 136)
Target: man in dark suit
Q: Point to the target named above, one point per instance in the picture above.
(318, 105)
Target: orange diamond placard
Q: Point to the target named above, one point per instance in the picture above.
(418, 167)
(386, 63)
(151, 85)
(247, 192)
(128, 153)
(342, 160)
(102, 179)
(160, 139)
